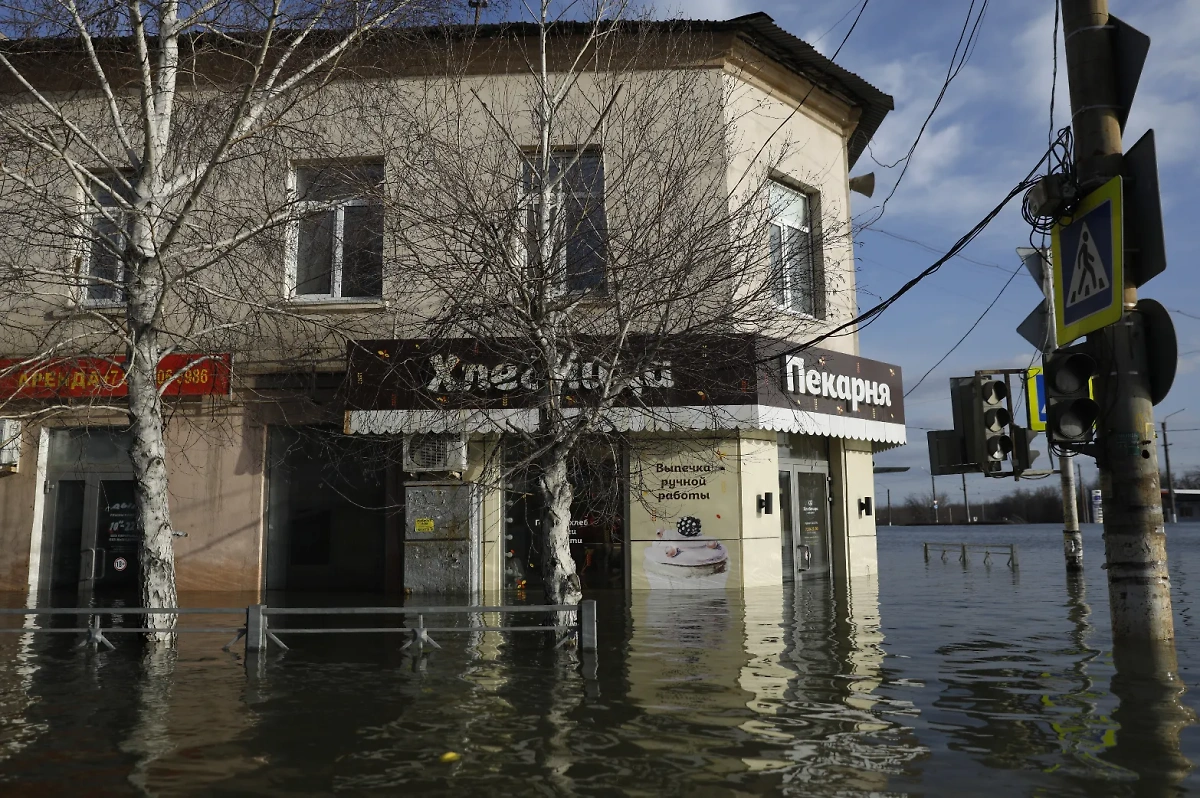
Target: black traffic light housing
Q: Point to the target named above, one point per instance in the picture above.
(983, 418)
(1071, 412)
(992, 419)
(1023, 454)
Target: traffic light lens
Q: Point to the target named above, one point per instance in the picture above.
(997, 419)
(1072, 373)
(999, 447)
(1074, 420)
(993, 392)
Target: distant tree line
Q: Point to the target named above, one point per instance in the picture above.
(1040, 505)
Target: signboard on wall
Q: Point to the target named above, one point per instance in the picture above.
(104, 377)
(684, 521)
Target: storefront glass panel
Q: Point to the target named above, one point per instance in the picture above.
(597, 521)
(327, 512)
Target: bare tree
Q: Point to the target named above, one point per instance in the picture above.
(589, 204)
(125, 132)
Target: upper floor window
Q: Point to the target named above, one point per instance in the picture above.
(578, 234)
(798, 279)
(109, 230)
(337, 244)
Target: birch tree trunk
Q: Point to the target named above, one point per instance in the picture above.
(149, 458)
(559, 580)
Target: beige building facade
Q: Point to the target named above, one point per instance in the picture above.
(291, 470)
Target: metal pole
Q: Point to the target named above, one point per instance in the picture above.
(1167, 460)
(256, 628)
(1135, 551)
(1072, 537)
(889, 490)
(587, 625)
(1085, 507)
(933, 493)
(966, 503)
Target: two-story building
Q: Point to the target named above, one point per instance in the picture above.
(325, 430)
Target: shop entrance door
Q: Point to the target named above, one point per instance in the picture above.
(94, 538)
(804, 518)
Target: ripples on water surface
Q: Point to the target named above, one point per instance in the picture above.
(935, 680)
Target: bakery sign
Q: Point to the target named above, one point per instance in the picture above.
(816, 381)
(502, 373)
(832, 383)
(104, 377)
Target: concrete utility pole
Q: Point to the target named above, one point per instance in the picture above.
(1139, 588)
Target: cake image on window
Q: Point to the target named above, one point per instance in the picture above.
(683, 559)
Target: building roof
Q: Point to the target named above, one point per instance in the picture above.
(804, 59)
(758, 29)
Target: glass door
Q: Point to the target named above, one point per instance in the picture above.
(95, 539)
(812, 520)
(804, 521)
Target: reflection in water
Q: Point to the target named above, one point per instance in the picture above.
(934, 680)
(1150, 715)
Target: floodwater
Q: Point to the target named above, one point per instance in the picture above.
(938, 679)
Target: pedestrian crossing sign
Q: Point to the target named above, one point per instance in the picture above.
(1035, 398)
(1088, 264)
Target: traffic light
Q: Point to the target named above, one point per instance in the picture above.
(1023, 455)
(990, 431)
(1070, 410)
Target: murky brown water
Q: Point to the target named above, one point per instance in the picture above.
(935, 680)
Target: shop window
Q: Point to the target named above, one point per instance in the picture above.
(337, 244)
(578, 234)
(796, 267)
(110, 222)
(327, 512)
(597, 520)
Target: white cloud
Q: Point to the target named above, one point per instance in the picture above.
(704, 9)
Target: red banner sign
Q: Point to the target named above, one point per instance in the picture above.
(104, 377)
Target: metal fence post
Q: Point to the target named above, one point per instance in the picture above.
(587, 625)
(926, 545)
(256, 628)
(1012, 555)
(964, 554)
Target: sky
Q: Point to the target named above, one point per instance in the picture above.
(988, 133)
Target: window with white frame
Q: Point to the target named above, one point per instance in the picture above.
(578, 234)
(108, 235)
(337, 243)
(797, 276)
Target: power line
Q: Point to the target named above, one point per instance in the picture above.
(867, 317)
(933, 249)
(803, 99)
(956, 66)
(849, 11)
(970, 330)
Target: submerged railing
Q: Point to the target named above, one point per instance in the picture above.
(257, 630)
(963, 550)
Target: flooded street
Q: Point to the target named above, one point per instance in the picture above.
(938, 679)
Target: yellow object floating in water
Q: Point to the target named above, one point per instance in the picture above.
(448, 757)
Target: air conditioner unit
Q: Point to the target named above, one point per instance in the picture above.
(10, 445)
(435, 452)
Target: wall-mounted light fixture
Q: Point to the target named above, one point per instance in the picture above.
(865, 506)
(766, 503)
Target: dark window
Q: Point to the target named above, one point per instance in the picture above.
(110, 229)
(578, 232)
(339, 243)
(797, 275)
